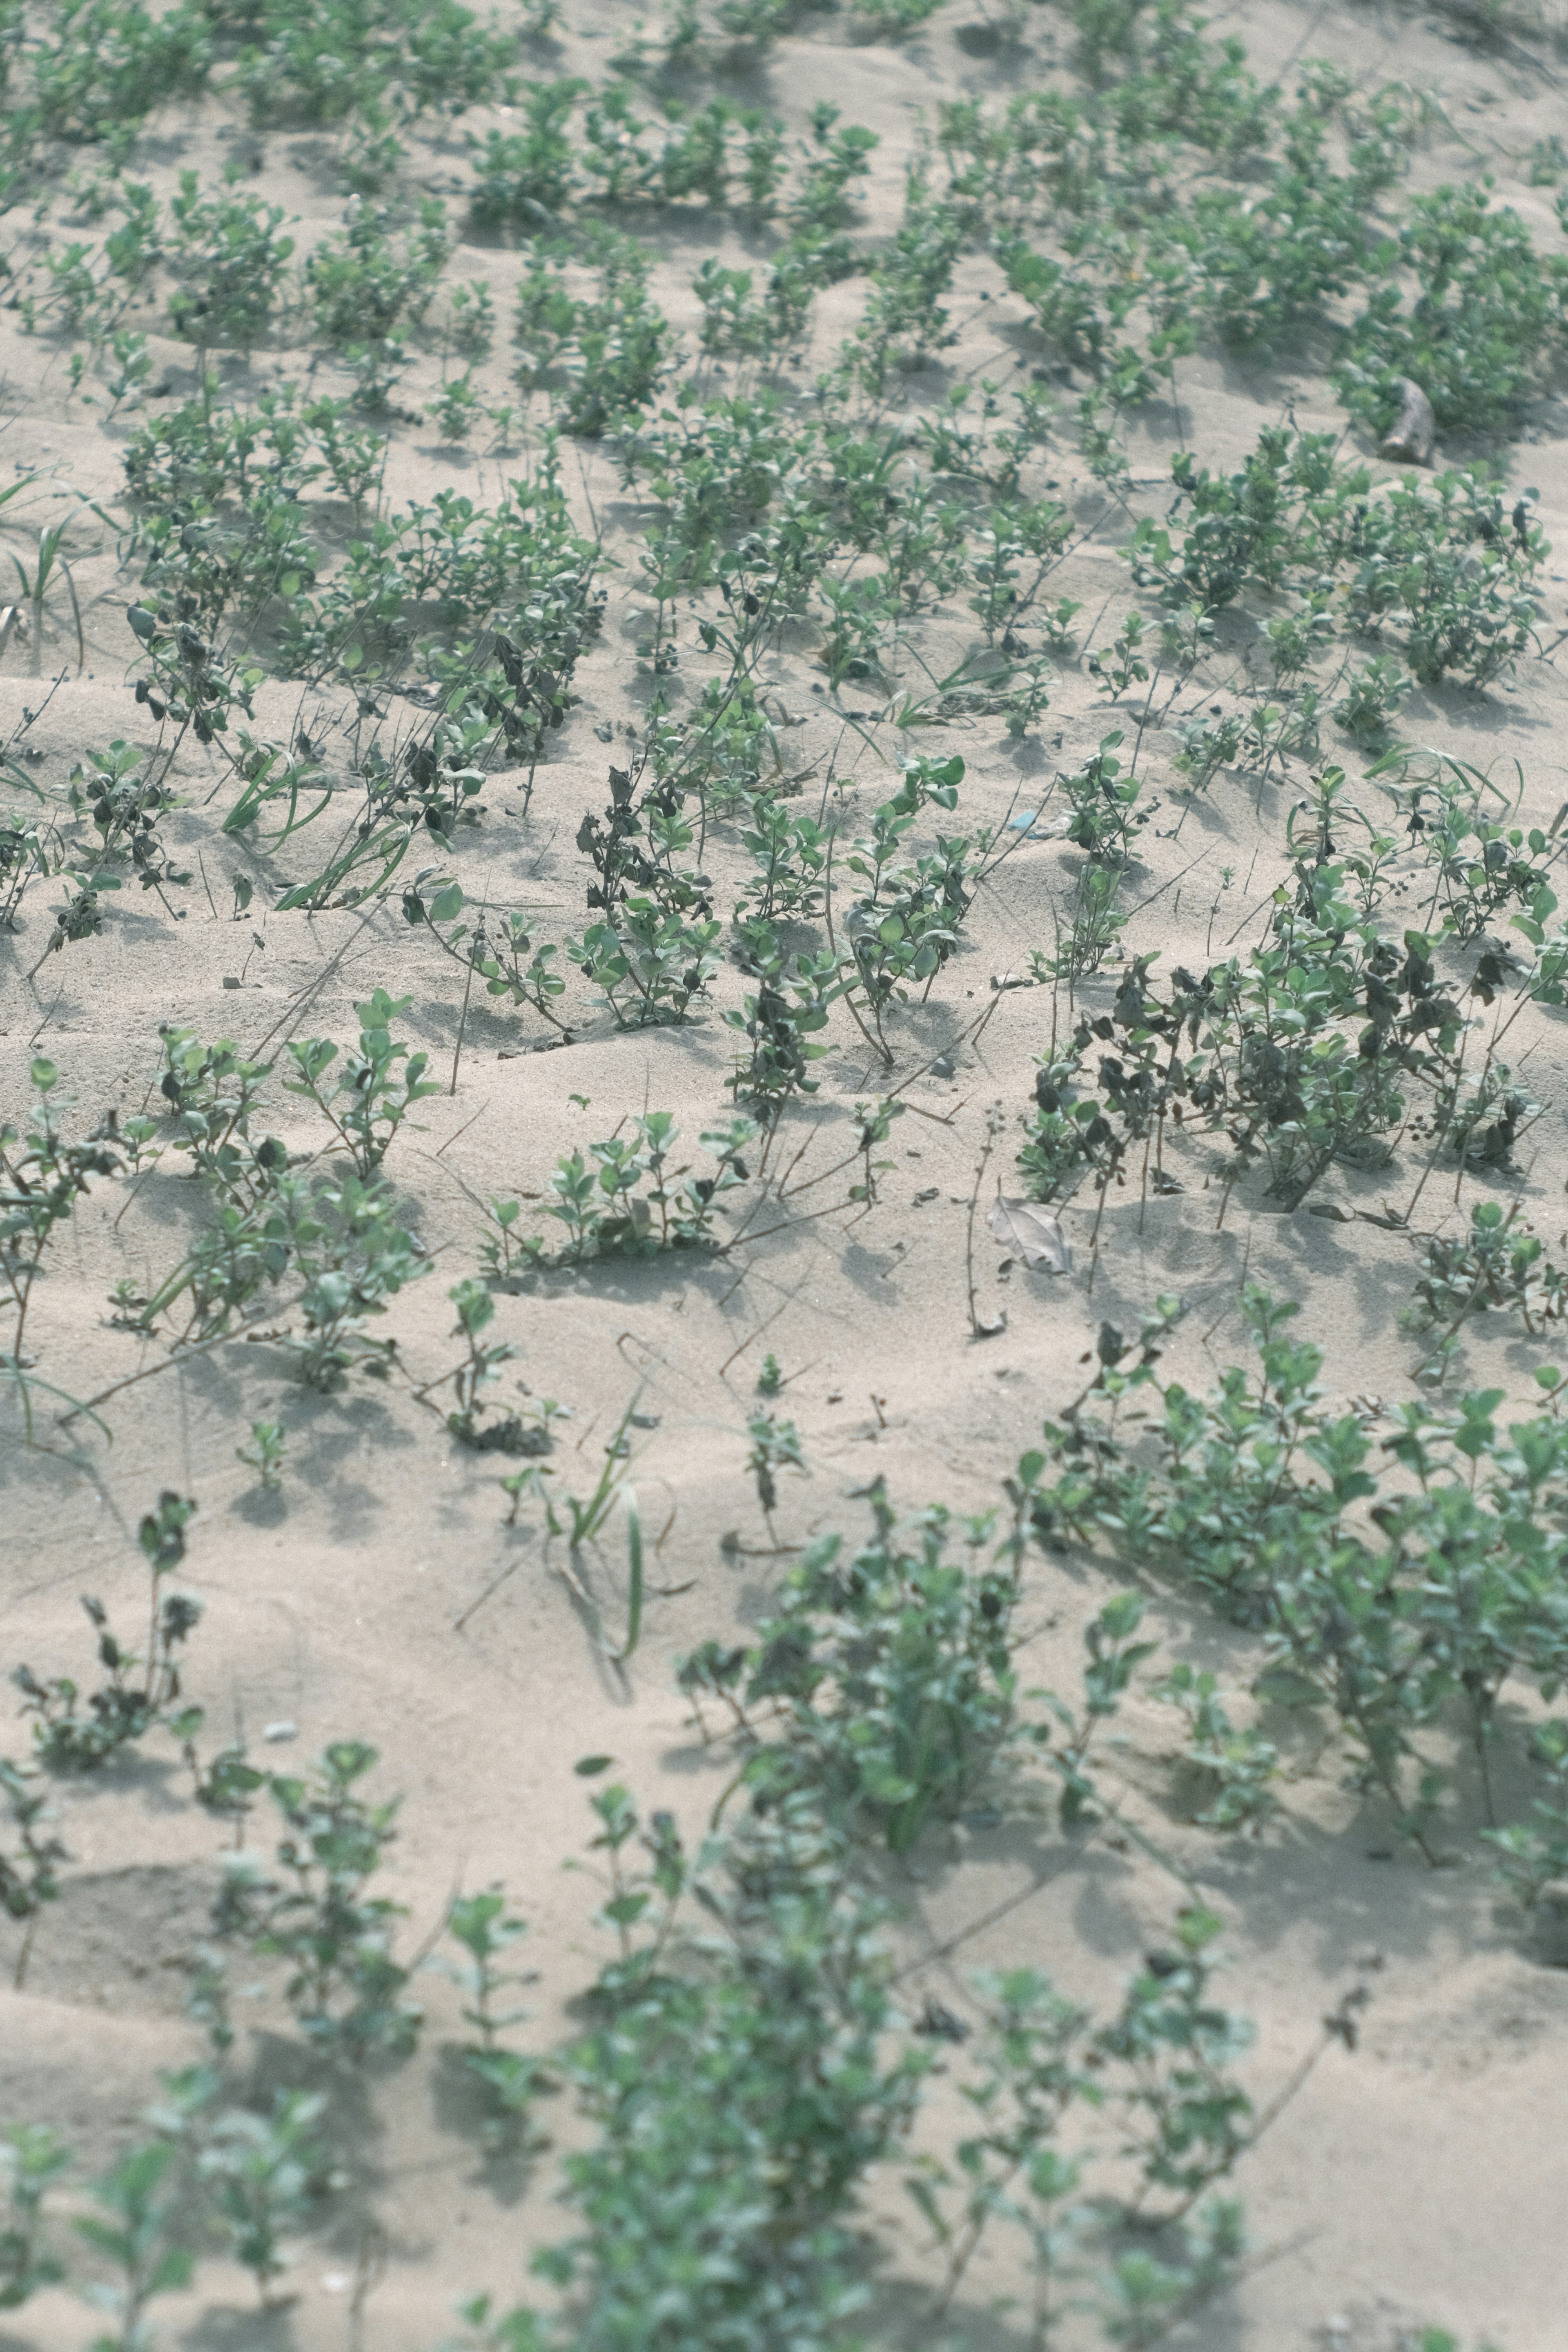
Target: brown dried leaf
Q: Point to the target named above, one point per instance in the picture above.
(1034, 1233)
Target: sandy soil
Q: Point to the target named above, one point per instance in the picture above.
(1422, 2179)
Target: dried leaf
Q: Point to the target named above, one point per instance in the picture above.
(1034, 1233)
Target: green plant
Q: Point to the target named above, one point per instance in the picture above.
(42, 1177)
(776, 1446)
(457, 409)
(1487, 315)
(1129, 669)
(125, 804)
(1462, 582)
(1113, 1657)
(649, 963)
(28, 1877)
(127, 1706)
(368, 63)
(258, 2177)
(479, 1369)
(1438, 1589)
(191, 684)
(26, 848)
(368, 1098)
(741, 2084)
(270, 1445)
(110, 62)
(1533, 1854)
(890, 1673)
(1493, 1267)
(355, 1254)
(526, 178)
(498, 949)
(604, 1208)
(227, 1784)
(1371, 701)
(733, 322)
(1237, 1768)
(1096, 927)
(1106, 817)
(50, 561)
(233, 260)
(471, 320)
(142, 2230)
(312, 1910)
(780, 1019)
(1163, 2067)
(30, 2158)
(512, 2082)
(904, 926)
(364, 286)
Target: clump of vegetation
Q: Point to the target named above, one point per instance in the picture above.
(706, 509)
(623, 1197)
(310, 1908)
(1254, 1502)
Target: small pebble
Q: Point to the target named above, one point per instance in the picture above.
(277, 1731)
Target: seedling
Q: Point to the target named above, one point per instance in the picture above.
(481, 1923)
(128, 1705)
(1163, 2065)
(30, 2158)
(1239, 1767)
(368, 1098)
(50, 562)
(1375, 1631)
(226, 1785)
(233, 258)
(28, 1875)
(125, 804)
(269, 1448)
(43, 1177)
(142, 2230)
(775, 1445)
(892, 1677)
(1097, 925)
(1113, 1658)
(261, 2175)
(356, 1256)
(1106, 818)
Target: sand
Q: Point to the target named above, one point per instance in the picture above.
(1420, 2179)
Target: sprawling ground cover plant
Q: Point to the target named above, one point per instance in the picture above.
(847, 529)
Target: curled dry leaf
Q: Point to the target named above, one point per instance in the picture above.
(1034, 1233)
(1410, 438)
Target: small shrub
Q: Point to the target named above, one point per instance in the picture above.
(311, 1909)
